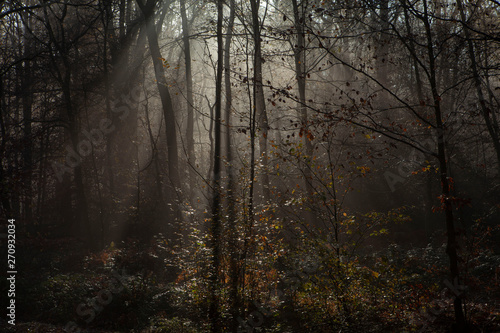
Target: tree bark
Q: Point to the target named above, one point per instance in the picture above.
(491, 125)
(300, 75)
(259, 100)
(234, 299)
(166, 101)
(452, 246)
(64, 76)
(215, 228)
(27, 100)
(189, 97)
(4, 193)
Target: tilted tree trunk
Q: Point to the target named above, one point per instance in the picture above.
(491, 124)
(166, 101)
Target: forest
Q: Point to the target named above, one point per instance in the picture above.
(237, 166)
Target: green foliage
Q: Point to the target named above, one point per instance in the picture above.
(57, 297)
(173, 325)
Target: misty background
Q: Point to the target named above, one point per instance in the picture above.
(212, 152)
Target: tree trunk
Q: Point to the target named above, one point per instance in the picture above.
(27, 98)
(234, 300)
(259, 101)
(166, 101)
(4, 193)
(110, 204)
(300, 75)
(491, 125)
(382, 52)
(189, 96)
(81, 198)
(215, 228)
(411, 45)
(452, 246)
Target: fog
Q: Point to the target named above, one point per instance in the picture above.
(211, 151)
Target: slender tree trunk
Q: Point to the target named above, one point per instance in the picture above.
(166, 101)
(300, 75)
(154, 157)
(42, 175)
(27, 99)
(15, 158)
(121, 18)
(81, 198)
(110, 202)
(491, 125)
(428, 196)
(215, 228)
(411, 44)
(168, 110)
(452, 246)
(383, 49)
(210, 139)
(249, 217)
(232, 223)
(4, 193)
(64, 76)
(189, 95)
(259, 100)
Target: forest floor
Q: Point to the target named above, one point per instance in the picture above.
(129, 289)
